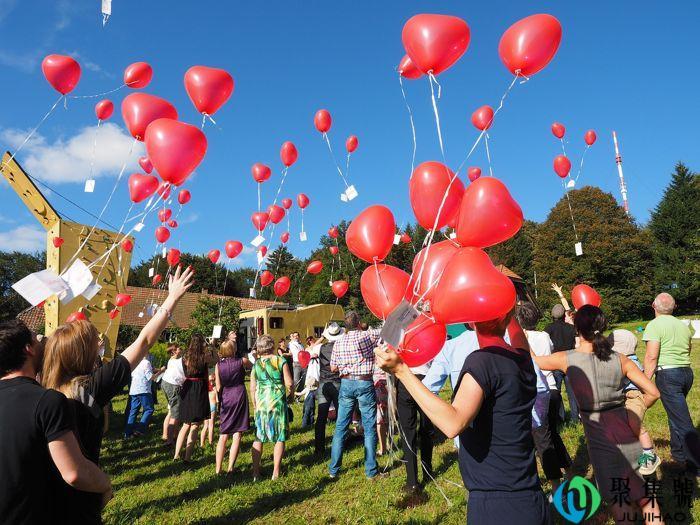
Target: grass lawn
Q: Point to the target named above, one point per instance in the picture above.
(150, 488)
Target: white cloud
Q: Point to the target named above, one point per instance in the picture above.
(68, 160)
(25, 62)
(88, 64)
(189, 219)
(23, 239)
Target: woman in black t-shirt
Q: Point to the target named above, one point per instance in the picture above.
(70, 360)
(491, 412)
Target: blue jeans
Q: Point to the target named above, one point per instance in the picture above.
(137, 402)
(307, 419)
(363, 393)
(560, 377)
(674, 385)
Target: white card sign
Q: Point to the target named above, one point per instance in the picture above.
(251, 293)
(216, 333)
(578, 247)
(397, 239)
(38, 286)
(138, 227)
(151, 272)
(343, 197)
(351, 192)
(91, 291)
(89, 186)
(258, 240)
(302, 236)
(78, 277)
(571, 184)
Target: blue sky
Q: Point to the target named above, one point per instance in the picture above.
(628, 66)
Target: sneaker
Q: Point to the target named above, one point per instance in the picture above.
(648, 463)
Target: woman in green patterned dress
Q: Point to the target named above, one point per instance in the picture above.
(270, 385)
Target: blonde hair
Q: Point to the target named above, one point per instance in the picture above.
(265, 345)
(227, 349)
(70, 355)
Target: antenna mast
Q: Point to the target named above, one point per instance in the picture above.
(623, 186)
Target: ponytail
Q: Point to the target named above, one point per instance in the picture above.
(590, 323)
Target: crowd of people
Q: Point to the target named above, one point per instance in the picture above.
(507, 407)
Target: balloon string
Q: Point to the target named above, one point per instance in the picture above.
(488, 153)
(104, 208)
(340, 261)
(347, 165)
(337, 166)
(302, 220)
(204, 119)
(500, 106)
(223, 292)
(571, 212)
(332, 267)
(126, 217)
(259, 197)
(580, 168)
(379, 279)
(431, 79)
(413, 127)
(94, 148)
(563, 149)
(101, 94)
(31, 133)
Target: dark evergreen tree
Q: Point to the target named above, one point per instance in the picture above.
(13, 267)
(516, 253)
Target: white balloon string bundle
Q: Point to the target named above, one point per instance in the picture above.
(431, 79)
(413, 127)
(580, 167)
(335, 161)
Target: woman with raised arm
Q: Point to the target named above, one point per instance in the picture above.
(597, 376)
(491, 413)
(70, 366)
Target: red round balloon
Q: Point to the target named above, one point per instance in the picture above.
(147, 166)
(422, 341)
(175, 149)
(322, 120)
(184, 196)
(383, 287)
(333, 250)
(428, 184)
(529, 44)
(173, 223)
(288, 153)
(405, 238)
(208, 88)
(260, 172)
(127, 245)
(472, 289)
(275, 213)
(76, 316)
(104, 109)
(62, 72)
(282, 286)
(340, 288)
(482, 118)
(351, 143)
(435, 42)
(582, 294)
(558, 130)
(370, 235)
(259, 219)
(140, 109)
(173, 257)
(333, 232)
(408, 69)
(473, 173)
(284, 237)
(233, 249)
(286, 203)
(142, 186)
(562, 166)
(302, 200)
(438, 255)
(138, 75)
(164, 214)
(214, 256)
(114, 313)
(122, 299)
(590, 137)
(157, 278)
(488, 214)
(314, 267)
(162, 234)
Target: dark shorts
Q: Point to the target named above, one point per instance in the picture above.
(524, 507)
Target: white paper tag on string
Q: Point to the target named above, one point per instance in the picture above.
(91, 291)
(89, 186)
(164, 253)
(78, 277)
(330, 283)
(397, 239)
(343, 197)
(453, 235)
(151, 272)
(302, 236)
(38, 286)
(151, 309)
(571, 184)
(140, 314)
(251, 293)
(395, 325)
(579, 248)
(138, 227)
(216, 333)
(351, 192)
(107, 7)
(258, 240)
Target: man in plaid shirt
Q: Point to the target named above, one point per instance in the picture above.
(353, 359)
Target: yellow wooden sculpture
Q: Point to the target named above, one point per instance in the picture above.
(111, 273)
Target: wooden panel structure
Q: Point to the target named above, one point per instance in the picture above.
(112, 272)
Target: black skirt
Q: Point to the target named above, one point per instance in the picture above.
(194, 395)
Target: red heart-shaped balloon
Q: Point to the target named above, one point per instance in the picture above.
(488, 214)
(157, 278)
(142, 186)
(57, 242)
(175, 149)
(351, 144)
(164, 188)
(173, 223)
(429, 182)
(370, 235)
(435, 42)
(562, 166)
(127, 245)
(383, 287)
(146, 166)
(340, 288)
(304, 358)
(260, 172)
(530, 43)
(140, 109)
(263, 251)
(422, 341)
(173, 256)
(302, 200)
(482, 118)
(314, 267)
(473, 173)
(208, 88)
(164, 214)
(62, 72)
(284, 237)
(275, 213)
(282, 286)
(323, 120)
(590, 137)
(162, 234)
(471, 289)
(288, 153)
(259, 220)
(233, 249)
(333, 232)
(104, 109)
(408, 69)
(558, 130)
(114, 313)
(266, 278)
(138, 75)
(286, 203)
(76, 316)
(122, 299)
(405, 238)
(582, 294)
(184, 196)
(214, 256)
(436, 257)
(333, 250)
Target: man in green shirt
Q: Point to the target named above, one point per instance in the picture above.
(668, 355)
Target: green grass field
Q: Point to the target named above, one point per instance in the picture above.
(150, 488)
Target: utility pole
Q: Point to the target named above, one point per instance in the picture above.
(623, 186)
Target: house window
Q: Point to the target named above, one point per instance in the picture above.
(276, 323)
(318, 331)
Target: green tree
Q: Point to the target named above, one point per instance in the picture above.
(615, 253)
(675, 231)
(517, 252)
(13, 267)
(208, 313)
